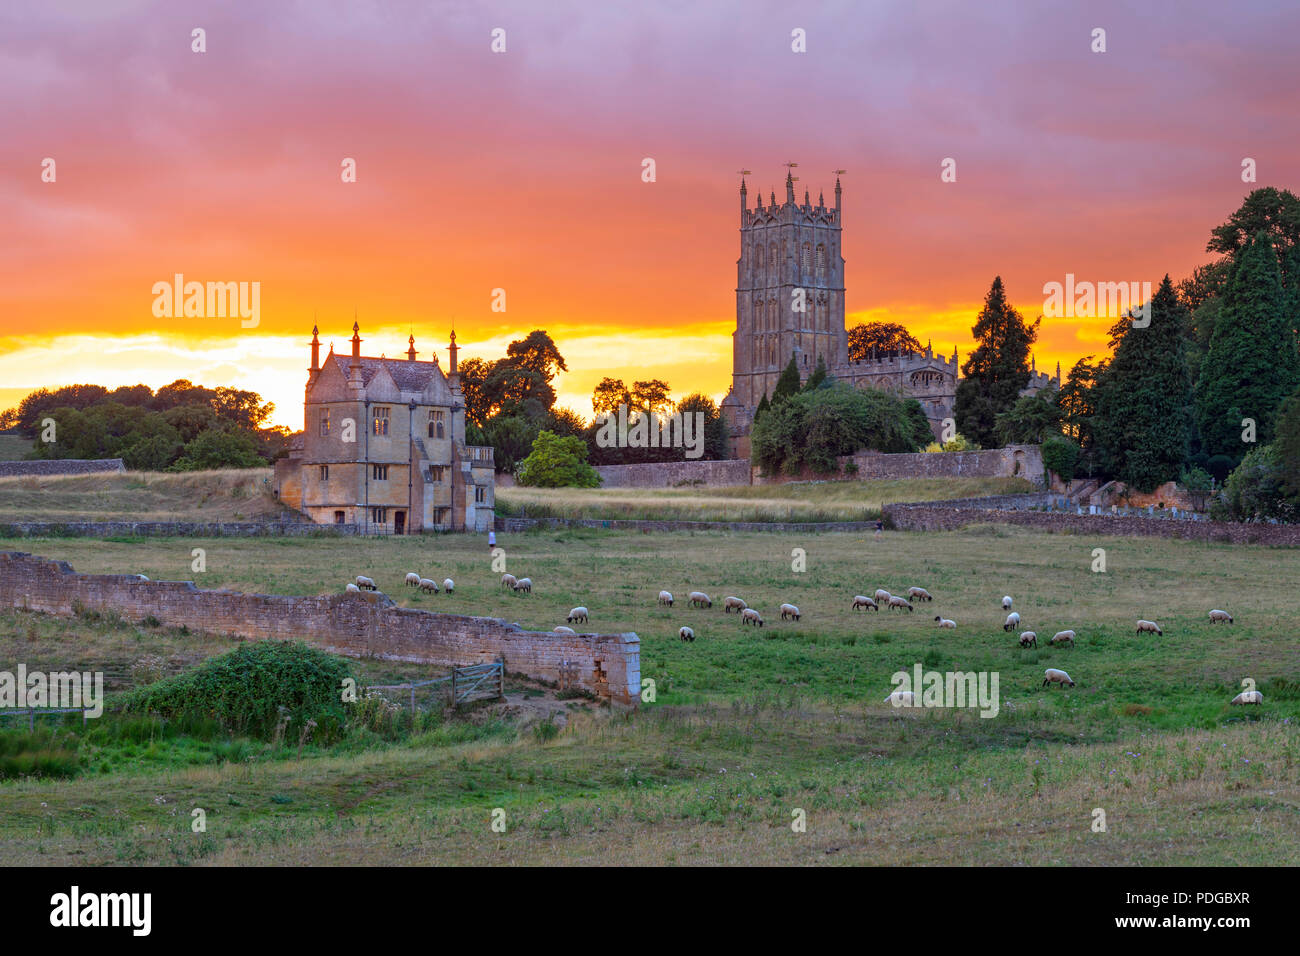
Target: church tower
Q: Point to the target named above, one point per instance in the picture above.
(789, 291)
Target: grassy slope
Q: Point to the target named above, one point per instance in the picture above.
(141, 496)
(14, 447)
(801, 501)
(750, 725)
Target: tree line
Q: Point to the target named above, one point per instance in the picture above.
(180, 427)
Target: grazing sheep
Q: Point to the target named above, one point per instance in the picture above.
(918, 594)
(750, 616)
(700, 599)
(1029, 639)
(666, 597)
(525, 585)
(789, 610)
(944, 622)
(561, 629)
(1006, 603)
(861, 600)
(882, 596)
(1248, 697)
(448, 585)
(412, 579)
(898, 602)
(509, 581)
(730, 604)
(1063, 637)
(366, 584)
(686, 633)
(1013, 621)
(428, 585)
(902, 698)
(1216, 616)
(1053, 676)
(1149, 626)
(578, 614)
(353, 589)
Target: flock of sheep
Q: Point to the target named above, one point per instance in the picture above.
(882, 598)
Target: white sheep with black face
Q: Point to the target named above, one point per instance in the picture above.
(525, 585)
(1063, 637)
(509, 580)
(700, 599)
(1054, 676)
(666, 597)
(1006, 603)
(750, 616)
(1029, 639)
(366, 584)
(1013, 622)
(428, 586)
(1220, 617)
(578, 615)
(946, 623)
(448, 585)
(1149, 627)
(686, 633)
(412, 579)
(789, 611)
(862, 601)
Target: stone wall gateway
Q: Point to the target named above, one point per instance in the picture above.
(354, 625)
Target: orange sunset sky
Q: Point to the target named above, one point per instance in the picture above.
(522, 170)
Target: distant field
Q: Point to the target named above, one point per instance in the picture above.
(802, 501)
(749, 724)
(14, 447)
(141, 496)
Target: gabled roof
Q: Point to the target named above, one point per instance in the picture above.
(406, 375)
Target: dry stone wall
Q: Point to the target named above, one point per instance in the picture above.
(355, 625)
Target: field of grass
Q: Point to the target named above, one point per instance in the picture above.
(798, 501)
(748, 725)
(14, 447)
(141, 496)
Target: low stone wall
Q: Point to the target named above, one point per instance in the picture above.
(675, 474)
(173, 529)
(355, 625)
(518, 525)
(61, 466)
(1013, 461)
(940, 516)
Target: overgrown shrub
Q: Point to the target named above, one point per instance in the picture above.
(246, 689)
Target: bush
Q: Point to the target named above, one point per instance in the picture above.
(1254, 491)
(557, 462)
(247, 689)
(958, 442)
(1061, 457)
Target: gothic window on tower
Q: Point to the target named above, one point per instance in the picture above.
(324, 421)
(436, 423)
(380, 424)
(773, 262)
(821, 262)
(758, 260)
(806, 262)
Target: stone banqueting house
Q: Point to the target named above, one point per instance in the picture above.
(791, 248)
(383, 447)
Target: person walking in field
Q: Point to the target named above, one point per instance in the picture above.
(880, 526)
(492, 540)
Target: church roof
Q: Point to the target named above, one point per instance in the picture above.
(409, 376)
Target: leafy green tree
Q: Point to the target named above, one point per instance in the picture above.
(1274, 212)
(511, 437)
(787, 384)
(1252, 362)
(813, 429)
(1031, 419)
(819, 377)
(997, 369)
(887, 338)
(557, 462)
(565, 421)
(715, 427)
(190, 420)
(473, 377)
(1287, 447)
(1142, 425)
(1061, 457)
(1077, 400)
(157, 452)
(1255, 490)
(763, 406)
(229, 448)
(651, 396)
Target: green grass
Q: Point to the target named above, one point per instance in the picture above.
(794, 501)
(14, 447)
(748, 724)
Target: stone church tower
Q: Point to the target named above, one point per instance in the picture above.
(789, 291)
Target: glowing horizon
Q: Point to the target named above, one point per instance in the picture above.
(522, 171)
